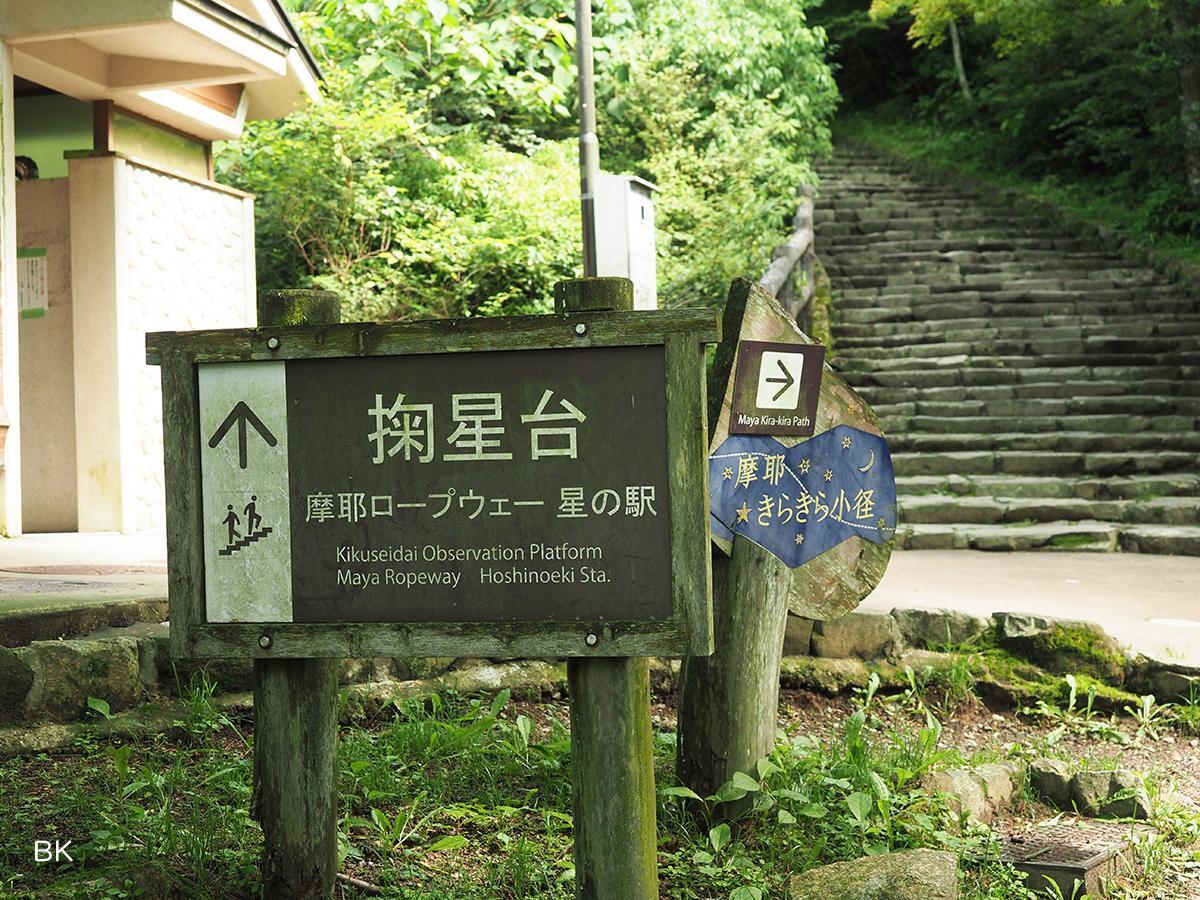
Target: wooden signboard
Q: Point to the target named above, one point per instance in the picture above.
(528, 486)
(835, 582)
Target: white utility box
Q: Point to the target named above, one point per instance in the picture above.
(625, 234)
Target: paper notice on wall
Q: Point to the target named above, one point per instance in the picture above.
(33, 283)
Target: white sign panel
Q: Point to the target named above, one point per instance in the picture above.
(779, 380)
(244, 470)
(33, 282)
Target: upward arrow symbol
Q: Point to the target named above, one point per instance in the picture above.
(240, 415)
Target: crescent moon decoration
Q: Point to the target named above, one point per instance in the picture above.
(870, 462)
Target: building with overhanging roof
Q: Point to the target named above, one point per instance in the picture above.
(115, 106)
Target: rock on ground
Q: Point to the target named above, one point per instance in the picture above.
(1118, 794)
(797, 636)
(66, 673)
(1170, 681)
(828, 675)
(1063, 647)
(1051, 780)
(933, 627)
(860, 635)
(980, 794)
(912, 875)
(16, 678)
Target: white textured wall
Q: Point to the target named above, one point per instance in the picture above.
(93, 187)
(187, 252)
(48, 485)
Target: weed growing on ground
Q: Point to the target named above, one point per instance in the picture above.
(1151, 717)
(201, 716)
(1085, 720)
(1187, 713)
(470, 798)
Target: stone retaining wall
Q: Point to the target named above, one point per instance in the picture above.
(51, 681)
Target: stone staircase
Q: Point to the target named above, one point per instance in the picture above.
(244, 542)
(1038, 390)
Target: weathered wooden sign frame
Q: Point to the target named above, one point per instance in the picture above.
(683, 334)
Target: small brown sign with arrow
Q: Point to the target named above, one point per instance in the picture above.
(776, 388)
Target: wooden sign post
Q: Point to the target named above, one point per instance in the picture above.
(295, 715)
(728, 703)
(520, 487)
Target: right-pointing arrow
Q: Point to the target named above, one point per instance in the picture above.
(787, 380)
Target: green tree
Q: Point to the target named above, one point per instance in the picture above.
(438, 177)
(933, 21)
(1017, 23)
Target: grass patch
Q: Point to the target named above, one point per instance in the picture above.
(470, 798)
(962, 151)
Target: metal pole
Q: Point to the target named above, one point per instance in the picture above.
(589, 144)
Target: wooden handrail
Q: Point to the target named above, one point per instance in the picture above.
(789, 277)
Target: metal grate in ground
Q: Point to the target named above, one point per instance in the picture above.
(1065, 852)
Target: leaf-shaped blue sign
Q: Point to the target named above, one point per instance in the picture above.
(800, 501)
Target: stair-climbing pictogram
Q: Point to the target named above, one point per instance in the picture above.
(254, 527)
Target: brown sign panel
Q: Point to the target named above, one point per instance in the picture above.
(776, 388)
(519, 485)
(534, 486)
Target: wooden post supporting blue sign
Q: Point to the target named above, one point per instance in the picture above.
(800, 546)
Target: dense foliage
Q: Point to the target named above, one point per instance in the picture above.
(439, 177)
(1077, 93)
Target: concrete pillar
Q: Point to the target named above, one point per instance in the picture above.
(96, 202)
(10, 380)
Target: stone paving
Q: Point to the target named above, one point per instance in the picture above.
(1038, 390)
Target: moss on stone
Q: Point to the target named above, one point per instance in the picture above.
(1017, 680)
(1071, 541)
(822, 309)
(829, 675)
(1079, 650)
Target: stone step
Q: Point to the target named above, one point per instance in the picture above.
(999, 429)
(944, 244)
(954, 373)
(939, 509)
(919, 293)
(973, 396)
(1145, 488)
(1131, 329)
(891, 228)
(47, 609)
(979, 328)
(880, 365)
(1013, 270)
(1163, 347)
(1067, 536)
(1132, 412)
(881, 194)
(1067, 442)
(926, 213)
(1041, 462)
(973, 309)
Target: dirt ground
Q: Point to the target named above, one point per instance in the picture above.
(1171, 757)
